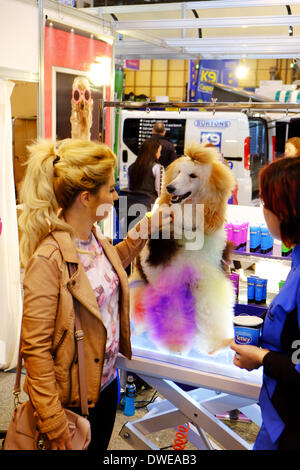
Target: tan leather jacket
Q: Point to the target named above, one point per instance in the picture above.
(48, 345)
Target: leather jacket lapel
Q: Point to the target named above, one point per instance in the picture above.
(80, 287)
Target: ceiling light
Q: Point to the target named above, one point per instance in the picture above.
(241, 71)
(100, 71)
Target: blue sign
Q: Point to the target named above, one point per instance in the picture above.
(214, 138)
(219, 71)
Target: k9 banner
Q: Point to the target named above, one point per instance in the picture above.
(211, 71)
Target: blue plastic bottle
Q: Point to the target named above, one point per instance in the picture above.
(264, 241)
(130, 389)
(259, 291)
(251, 289)
(264, 299)
(254, 238)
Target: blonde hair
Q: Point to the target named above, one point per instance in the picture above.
(57, 172)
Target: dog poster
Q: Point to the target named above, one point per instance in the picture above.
(77, 107)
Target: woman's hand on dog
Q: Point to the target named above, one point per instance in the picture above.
(247, 356)
(161, 217)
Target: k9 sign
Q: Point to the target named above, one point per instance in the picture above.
(214, 138)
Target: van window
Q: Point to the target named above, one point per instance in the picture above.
(136, 130)
(285, 130)
(258, 150)
(294, 128)
(130, 134)
(281, 137)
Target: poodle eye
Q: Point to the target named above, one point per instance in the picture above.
(192, 175)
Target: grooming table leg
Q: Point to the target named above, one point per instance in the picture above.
(197, 414)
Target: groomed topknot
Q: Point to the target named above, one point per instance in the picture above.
(201, 153)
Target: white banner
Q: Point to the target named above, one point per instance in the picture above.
(10, 283)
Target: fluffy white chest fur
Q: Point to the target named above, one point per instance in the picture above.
(213, 292)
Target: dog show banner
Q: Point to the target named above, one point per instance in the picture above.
(210, 71)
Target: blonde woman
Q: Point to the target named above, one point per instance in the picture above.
(69, 186)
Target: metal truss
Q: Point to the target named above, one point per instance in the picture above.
(170, 30)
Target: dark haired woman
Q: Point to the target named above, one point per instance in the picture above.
(144, 180)
(280, 342)
(144, 172)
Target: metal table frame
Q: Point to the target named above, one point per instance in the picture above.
(213, 394)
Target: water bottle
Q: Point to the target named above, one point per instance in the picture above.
(130, 389)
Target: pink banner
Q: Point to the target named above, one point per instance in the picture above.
(132, 64)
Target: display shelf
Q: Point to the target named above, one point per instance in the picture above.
(244, 253)
(253, 309)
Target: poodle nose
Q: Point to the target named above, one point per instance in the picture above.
(170, 189)
(82, 104)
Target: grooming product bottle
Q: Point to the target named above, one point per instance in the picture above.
(236, 235)
(259, 291)
(228, 230)
(266, 239)
(244, 226)
(285, 251)
(264, 299)
(130, 390)
(251, 282)
(254, 238)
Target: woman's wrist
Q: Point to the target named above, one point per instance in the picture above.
(262, 353)
(141, 230)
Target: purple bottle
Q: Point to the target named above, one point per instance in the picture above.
(228, 230)
(245, 226)
(236, 235)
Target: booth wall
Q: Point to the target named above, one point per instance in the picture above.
(19, 36)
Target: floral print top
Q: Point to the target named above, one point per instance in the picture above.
(105, 283)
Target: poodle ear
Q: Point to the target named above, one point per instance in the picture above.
(222, 180)
(221, 185)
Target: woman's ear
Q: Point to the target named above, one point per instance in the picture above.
(84, 198)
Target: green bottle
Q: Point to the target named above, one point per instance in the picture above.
(284, 250)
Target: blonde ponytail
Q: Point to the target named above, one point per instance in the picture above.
(40, 207)
(56, 173)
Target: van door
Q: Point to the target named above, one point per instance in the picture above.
(229, 133)
(136, 127)
(259, 152)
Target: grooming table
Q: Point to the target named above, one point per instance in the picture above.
(219, 387)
